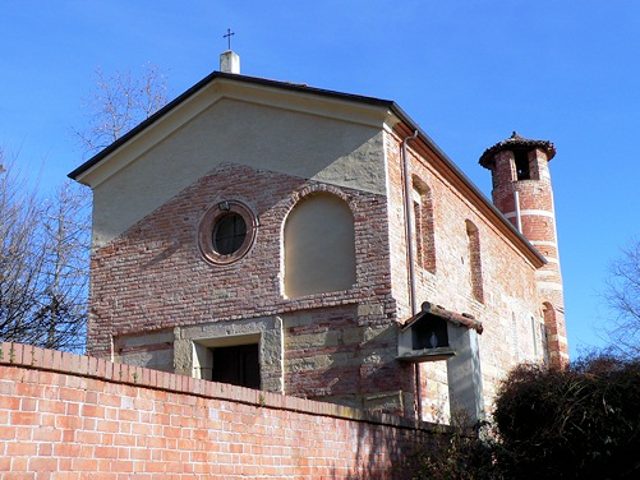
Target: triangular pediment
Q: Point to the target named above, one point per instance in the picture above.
(202, 99)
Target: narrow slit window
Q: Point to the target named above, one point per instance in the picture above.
(475, 262)
(424, 226)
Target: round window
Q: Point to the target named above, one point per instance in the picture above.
(229, 233)
(226, 232)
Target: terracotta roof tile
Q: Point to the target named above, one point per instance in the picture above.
(516, 142)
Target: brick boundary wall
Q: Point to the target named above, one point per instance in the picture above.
(65, 416)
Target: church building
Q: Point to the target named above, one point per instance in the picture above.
(319, 244)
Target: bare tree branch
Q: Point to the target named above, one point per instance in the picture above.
(44, 244)
(118, 104)
(623, 296)
(43, 263)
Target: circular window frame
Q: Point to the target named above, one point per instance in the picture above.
(208, 224)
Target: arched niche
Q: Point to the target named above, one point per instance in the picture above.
(319, 246)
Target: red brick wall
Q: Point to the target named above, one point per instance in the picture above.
(72, 417)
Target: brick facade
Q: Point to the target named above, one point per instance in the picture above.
(508, 277)
(154, 297)
(153, 279)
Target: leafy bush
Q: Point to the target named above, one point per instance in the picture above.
(580, 422)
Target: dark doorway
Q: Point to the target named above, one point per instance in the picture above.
(239, 365)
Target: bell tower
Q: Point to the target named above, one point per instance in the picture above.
(522, 192)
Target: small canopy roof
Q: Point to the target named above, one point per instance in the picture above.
(458, 319)
(516, 142)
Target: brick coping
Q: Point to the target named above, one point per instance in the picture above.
(28, 356)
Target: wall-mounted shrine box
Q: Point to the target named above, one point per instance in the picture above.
(437, 334)
(434, 334)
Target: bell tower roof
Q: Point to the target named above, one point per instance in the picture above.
(516, 142)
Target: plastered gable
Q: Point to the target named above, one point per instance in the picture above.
(230, 130)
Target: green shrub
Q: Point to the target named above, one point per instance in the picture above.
(579, 422)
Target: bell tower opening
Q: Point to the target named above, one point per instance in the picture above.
(523, 169)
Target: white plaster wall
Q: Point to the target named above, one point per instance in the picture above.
(287, 141)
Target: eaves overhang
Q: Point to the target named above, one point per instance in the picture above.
(515, 142)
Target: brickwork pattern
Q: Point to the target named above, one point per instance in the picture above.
(330, 354)
(72, 417)
(153, 277)
(508, 278)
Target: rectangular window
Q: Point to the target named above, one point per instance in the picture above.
(250, 355)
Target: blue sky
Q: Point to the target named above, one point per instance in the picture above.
(469, 72)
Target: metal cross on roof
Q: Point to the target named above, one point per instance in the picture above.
(228, 36)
